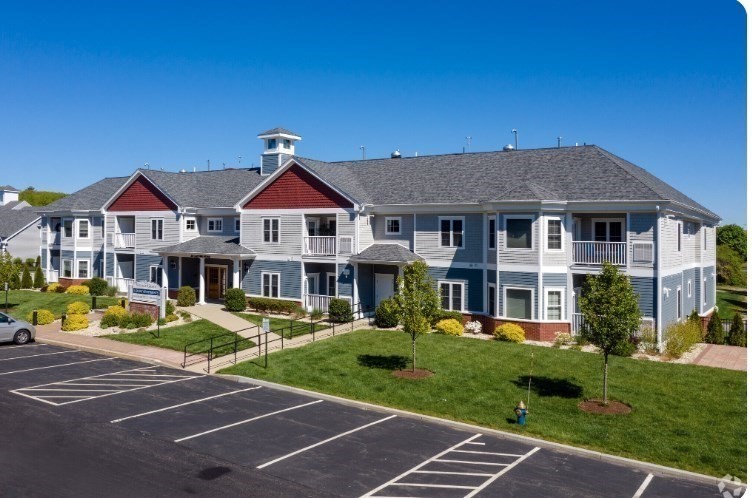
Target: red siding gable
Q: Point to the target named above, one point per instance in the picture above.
(295, 189)
(141, 195)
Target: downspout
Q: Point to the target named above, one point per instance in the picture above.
(659, 281)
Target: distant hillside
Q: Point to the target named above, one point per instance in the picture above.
(39, 197)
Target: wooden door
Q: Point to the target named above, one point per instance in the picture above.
(216, 278)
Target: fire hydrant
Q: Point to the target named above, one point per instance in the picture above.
(521, 412)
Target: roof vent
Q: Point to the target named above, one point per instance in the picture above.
(183, 171)
(508, 147)
(396, 154)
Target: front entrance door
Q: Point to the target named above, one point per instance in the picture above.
(384, 286)
(216, 278)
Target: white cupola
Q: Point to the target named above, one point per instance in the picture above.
(279, 145)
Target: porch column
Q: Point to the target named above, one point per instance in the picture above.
(165, 277)
(236, 273)
(180, 271)
(201, 283)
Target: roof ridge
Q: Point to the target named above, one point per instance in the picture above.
(607, 155)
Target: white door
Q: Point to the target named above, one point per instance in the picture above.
(384, 284)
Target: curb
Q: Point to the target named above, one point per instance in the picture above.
(118, 354)
(654, 468)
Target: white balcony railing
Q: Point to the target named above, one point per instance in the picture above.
(122, 284)
(320, 246)
(317, 301)
(53, 276)
(124, 240)
(595, 253)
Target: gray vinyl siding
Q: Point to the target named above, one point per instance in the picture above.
(428, 239)
(644, 287)
(269, 163)
(346, 226)
(519, 256)
(586, 223)
(641, 229)
(670, 256)
(290, 278)
(688, 300)
(558, 280)
(26, 244)
(405, 238)
(365, 232)
(551, 257)
(345, 282)
(291, 234)
(228, 226)
(668, 309)
(170, 231)
(473, 279)
(143, 262)
(518, 279)
(707, 274)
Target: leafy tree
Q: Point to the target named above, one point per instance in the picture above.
(715, 333)
(7, 267)
(39, 197)
(417, 301)
(737, 334)
(26, 281)
(15, 278)
(729, 266)
(38, 262)
(735, 237)
(611, 312)
(38, 278)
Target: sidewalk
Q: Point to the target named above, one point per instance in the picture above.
(216, 314)
(720, 356)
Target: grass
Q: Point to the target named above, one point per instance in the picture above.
(683, 416)
(23, 302)
(178, 336)
(731, 300)
(299, 328)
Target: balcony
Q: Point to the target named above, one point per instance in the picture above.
(591, 253)
(124, 240)
(317, 302)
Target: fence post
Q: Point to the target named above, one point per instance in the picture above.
(62, 320)
(283, 338)
(34, 318)
(236, 348)
(93, 302)
(122, 303)
(266, 349)
(313, 330)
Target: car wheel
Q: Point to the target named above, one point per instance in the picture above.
(22, 337)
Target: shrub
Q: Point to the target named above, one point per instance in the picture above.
(185, 316)
(648, 339)
(53, 287)
(44, 317)
(450, 326)
(61, 289)
(317, 314)
(186, 296)
(169, 308)
(562, 339)
(26, 281)
(112, 316)
(15, 281)
(77, 308)
(135, 320)
(38, 278)
(299, 312)
(30, 262)
(340, 311)
(681, 336)
(268, 305)
(171, 317)
(445, 315)
(43, 288)
(162, 321)
(715, 334)
(386, 315)
(97, 286)
(116, 310)
(737, 334)
(510, 332)
(85, 283)
(111, 291)
(78, 290)
(75, 322)
(627, 347)
(235, 300)
(474, 327)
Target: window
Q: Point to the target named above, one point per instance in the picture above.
(313, 227)
(678, 303)
(704, 291)
(287, 143)
(519, 233)
(705, 238)
(554, 304)
(270, 284)
(67, 268)
(190, 224)
(553, 235)
(452, 231)
(271, 230)
(155, 274)
(67, 228)
(82, 268)
(157, 232)
(214, 225)
(689, 288)
(452, 295)
(492, 299)
(518, 303)
(237, 224)
(393, 226)
(271, 143)
(492, 233)
(678, 236)
(607, 230)
(331, 284)
(83, 229)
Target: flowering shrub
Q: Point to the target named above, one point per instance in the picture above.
(510, 332)
(53, 287)
(79, 290)
(112, 316)
(77, 308)
(561, 339)
(473, 327)
(450, 326)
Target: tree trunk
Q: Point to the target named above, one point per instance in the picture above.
(413, 355)
(605, 381)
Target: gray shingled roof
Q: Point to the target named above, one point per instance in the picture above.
(206, 189)
(386, 253)
(586, 173)
(209, 244)
(9, 188)
(90, 198)
(13, 220)
(274, 131)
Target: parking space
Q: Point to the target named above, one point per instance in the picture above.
(328, 447)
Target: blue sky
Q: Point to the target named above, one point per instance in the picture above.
(98, 89)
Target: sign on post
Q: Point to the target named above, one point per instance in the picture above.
(265, 324)
(148, 293)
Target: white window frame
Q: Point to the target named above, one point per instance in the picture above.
(271, 229)
(287, 143)
(311, 277)
(271, 143)
(561, 292)
(533, 244)
(679, 236)
(495, 310)
(158, 269)
(451, 284)
(73, 227)
(279, 284)
(561, 233)
(689, 288)
(608, 222)
(209, 222)
(493, 235)
(62, 268)
(78, 229)
(159, 231)
(398, 219)
(705, 291)
(195, 224)
(532, 301)
(78, 268)
(452, 219)
(236, 222)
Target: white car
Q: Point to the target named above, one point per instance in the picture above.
(14, 330)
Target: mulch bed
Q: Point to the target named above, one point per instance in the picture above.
(597, 406)
(419, 373)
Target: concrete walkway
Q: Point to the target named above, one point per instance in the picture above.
(216, 314)
(720, 356)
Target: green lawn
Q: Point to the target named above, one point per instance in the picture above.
(731, 300)
(683, 416)
(177, 337)
(22, 302)
(299, 328)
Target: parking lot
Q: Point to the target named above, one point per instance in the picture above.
(282, 443)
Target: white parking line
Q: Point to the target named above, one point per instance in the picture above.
(501, 473)
(57, 366)
(447, 460)
(27, 346)
(487, 453)
(182, 404)
(35, 355)
(248, 420)
(643, 486)
(445, 472)
(325, 441)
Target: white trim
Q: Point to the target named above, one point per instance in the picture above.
(451, 220)
(279, 284)
(387, 219)
(62, 229)
(88, 268)
(689, 288)
(451, 284)
(279, 229)
(315, 278)
(195, 224)
(532, 302)
(160, 228)
(489, 247)
(215, 220)
(679, 236)
(336, 284)
(128, 183)
(679, 303)
(533, 245)
(562, 297)
(78, 228)
(236, 224)
(62, 268)
(560, 219)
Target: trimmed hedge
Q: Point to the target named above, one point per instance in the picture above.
(186, 296)
(44, 317)
(340, 311)
(235, 300)
(445, 315)
(78, 290)
(510, 332)
(77, 308)
(386, 315)
(97, 286)
(75, 322)
(450, 326)
(268, 305)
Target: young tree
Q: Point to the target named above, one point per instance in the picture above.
(715, 333)
(7, 267)
(417, 301)
(38, 278)
(611, 312)
(26, 281)
(737, 334)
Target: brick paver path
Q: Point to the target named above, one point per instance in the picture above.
(730, 357)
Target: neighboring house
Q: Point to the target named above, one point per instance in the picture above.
(509, 236)
(19, 225)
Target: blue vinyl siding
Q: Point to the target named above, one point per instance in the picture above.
(518, 279)
(473, 284)
(290, 277)
(143, 262)
(644, 287)
(707, 274)
(96, 264)
(668, 310)
(66, 254)
(172, 273)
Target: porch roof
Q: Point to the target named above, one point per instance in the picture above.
(210, 245)
(386, 254)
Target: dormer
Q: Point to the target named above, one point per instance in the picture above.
(8, 194)
(279, 145)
